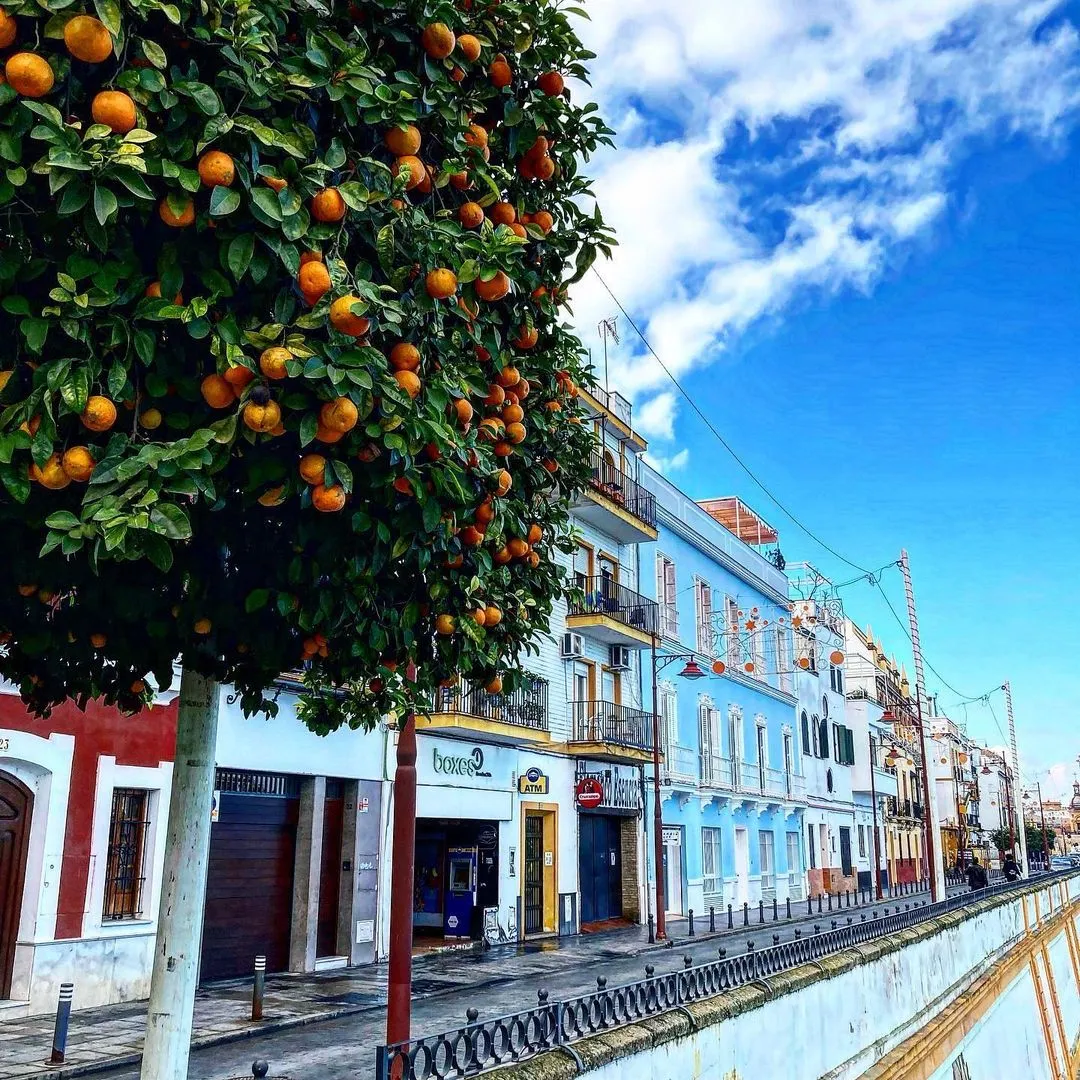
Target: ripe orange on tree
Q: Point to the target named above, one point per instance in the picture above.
(313, 279)
(513, 414)
(51, 474)
(261, 413)
(78, 463)
(341, 414)
(500, 73)
(413, 167)
(99, 414)
(495, 685)
(551, 83)
(469, 47)
(88, 39)
(216, 169)
(517, 547)
(29, 75)
(476, 135)
(515, 433)
(438, 40)
(493, 615)
(344, 320)
(402, 142)
(115, 110)
(312, 468)
(216, 392)
(328, 205)
(408, 382)
(8, 29)
(509, 376)
(471, 215)
(503, 213)
(527, 337)
(177, 218)
(405, 356)
(445, 624)
(544, 220)
(463, 410)
(534, 534)
(503, 482)
(238, 376)
(150, 419)
(493, 289)
(441, 283)
(328, 499)
(272, 362)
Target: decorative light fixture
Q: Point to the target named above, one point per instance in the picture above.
(804, 662)
(692, 671)
(962, 758)
(718, 667)
(836, 657)
(985, 770)
(891, 758)
(748, 667)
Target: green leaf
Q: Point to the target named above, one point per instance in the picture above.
(134, 183)
(17, 483)
(75, 197)
(308, 426)
(241, 248)
(139, 136)
(35, 331)
(62, 519)
(155, 54)
(172, 13)
(108, 11)
(105, 204)
(158, 551)
(76, 390)
(354, 195)
(384, 246)
(204, 96)
(223, 201)
(267, 201)
(171, 521)
(256, 600)
(17, 305)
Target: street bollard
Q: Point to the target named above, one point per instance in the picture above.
(819, 903)
(730, 921)
(541, 999)
(745, 913)
(712, 919)
(862, 917)
(259, 988)
(259, 1069)
(774, 909)
(850, 920)
(722, 953)
(749, 946)
(691, 921)
(760, 911)
(849, 898)
(833, 927)
(63, 1015)
(688, 961)
(649, 971)
(776, 939)
(817, 928)
(789, 907)
(601, 983)
(652, 930)
(830, 901)
(875, 915)
(809, 905)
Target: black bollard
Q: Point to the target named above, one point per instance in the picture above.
(712, 919)
(691, 922)
(776, 939)
(798, 932)
(809, 905)
(788, 901)
(542, 996)
(652, 930)
(722, 953)
(730, 920)
(259, 1069)
(830, 901)
(746, 913)
(760, 911)
(749, 946)
(820, 903)
(649, 971)
(687, 961)
(60, 1030)
(258, 990)
(774, 909)
(601, 983)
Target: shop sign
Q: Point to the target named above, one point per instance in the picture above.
(459, 765)
(672, 835)
(533, 782)
(589, 792)
(620, 788)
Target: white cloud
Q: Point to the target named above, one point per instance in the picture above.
(666, 465)
(775, 147)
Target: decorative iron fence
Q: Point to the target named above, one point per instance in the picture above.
(526, 706)
(604, 721)
(481, 1045)
(611, 482)
(602, 596)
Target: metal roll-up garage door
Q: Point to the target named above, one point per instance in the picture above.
(250, 878)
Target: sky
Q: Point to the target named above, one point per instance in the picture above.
(850, 229)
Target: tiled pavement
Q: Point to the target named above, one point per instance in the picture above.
(500, 980)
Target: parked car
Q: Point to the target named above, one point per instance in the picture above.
(1061, 862)
(1074, 859)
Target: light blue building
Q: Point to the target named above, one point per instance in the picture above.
(732, 787)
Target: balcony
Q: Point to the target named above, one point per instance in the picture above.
(903, 808)
(680, 767)
(604, 731)
(617, 505)
(716, 772)
(750, 778)
(616, 414)
(612, 613)
(514, 718)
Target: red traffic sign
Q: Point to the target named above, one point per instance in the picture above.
(589, 793)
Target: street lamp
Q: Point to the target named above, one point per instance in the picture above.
(691, 671)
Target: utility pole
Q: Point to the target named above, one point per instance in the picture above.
(933, 853)
(607, 328)
(874, 809)
(1021, 830)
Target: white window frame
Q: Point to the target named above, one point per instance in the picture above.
(667, 595)
(703, 610)
(712, 839)
(736, 737)
(669, 720)
(767, 858)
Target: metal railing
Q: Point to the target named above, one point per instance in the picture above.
(604, 721)
(680, 763)
(602, 596)
(525, 707)
(611, 482)
(480, 1045)
(903, 808)
(716, 771)
(614, 402)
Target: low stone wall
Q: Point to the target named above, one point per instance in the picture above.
(869, 1011)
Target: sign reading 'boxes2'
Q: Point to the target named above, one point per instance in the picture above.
(533, 782)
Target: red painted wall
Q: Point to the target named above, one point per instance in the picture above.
(143, 740)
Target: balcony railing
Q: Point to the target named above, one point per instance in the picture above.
(602, 596)
(525, 707)
(903, 808)
(614, 402)
(611, 482)
(716, 771)
(606, 722)
(680, 764)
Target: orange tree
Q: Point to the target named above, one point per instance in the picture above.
(284, 378)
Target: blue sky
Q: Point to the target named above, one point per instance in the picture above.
(853, 234)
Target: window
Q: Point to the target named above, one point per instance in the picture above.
(765, 847)
(710, 861)
(804, 722)
(789, 760)
(709, 737)
(706, 637)
(126, 858)
(837, 744)
(757, 645)
(794, 866)
(815, 728)
(583, 566)
(836, 678)
(666, 596)
(669, 722)
(810, 846)
(735, 742)
(823, 737)
(845, 851)
(862, 841)
(762, 755)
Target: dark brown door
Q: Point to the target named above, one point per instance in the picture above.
(330, 877)
(249, 885)
(534, 873)
(16, 806)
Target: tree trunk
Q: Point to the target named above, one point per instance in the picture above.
(183, 886)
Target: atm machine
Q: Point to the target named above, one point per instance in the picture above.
(460, 891)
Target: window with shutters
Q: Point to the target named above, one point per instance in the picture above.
(783, 659)
(862, 841)
(810, 847)
(768, 863)
(711, 866)
(667, 596)
(823, 737)
(836, 678)
(838, 745)
(735, 742)
(706, 635)
(669, 723)
(126, 857)
(712, 771)
(815, 732)
(762, 754)
(804, 723)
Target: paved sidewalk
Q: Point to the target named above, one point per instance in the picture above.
(497, 980)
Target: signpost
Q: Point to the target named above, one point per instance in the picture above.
(589, 793)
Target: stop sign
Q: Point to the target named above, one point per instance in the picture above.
(589, 793)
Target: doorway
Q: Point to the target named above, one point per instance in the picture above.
(326, 940)
(673, 869)
(742, 867)
(16, 808)
(845, 851)
(600, 867)
(534, 873)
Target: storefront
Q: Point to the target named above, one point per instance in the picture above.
(609, 801)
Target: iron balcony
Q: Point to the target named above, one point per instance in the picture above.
(605, 731)
(515, 717)
(616, 504)
(612, 613)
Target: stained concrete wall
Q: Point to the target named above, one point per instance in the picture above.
(866, 1013)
